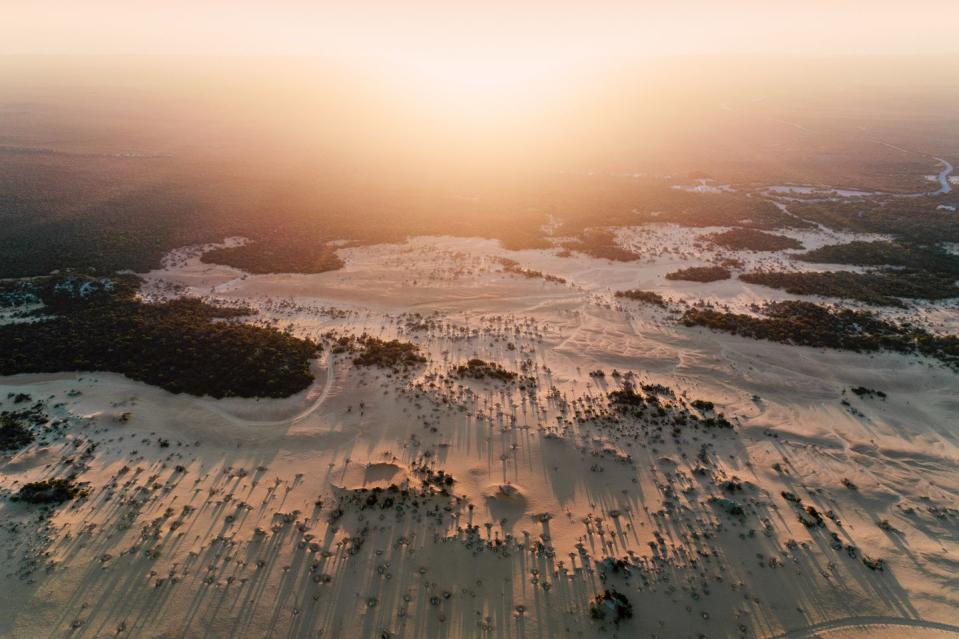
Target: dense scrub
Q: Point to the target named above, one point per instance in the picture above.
(912, 257)
(879, 288)
(93, 214)
(740, 239)
(277, 256)
(481, 369)
(15, 430)
(183, 345)
(49, 491)
(910, 220)
(601, 243)
(646, 297)
(911, 271)
(862, 391)
(660, 401)
(512, 266)
(611, 605)
(700, 274)
(807, 324)
(717, 209)
(393, 354)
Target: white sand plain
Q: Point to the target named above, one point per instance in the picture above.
(231, 530)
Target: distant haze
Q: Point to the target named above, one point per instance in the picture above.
(524, 30)
(664, 87)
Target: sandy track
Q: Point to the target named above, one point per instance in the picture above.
(320, 397)
(868, 625)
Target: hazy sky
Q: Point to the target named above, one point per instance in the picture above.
(522, 30)
(415, 79)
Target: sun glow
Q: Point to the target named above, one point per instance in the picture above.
(498, 29)
(426, 82)
(481, 85)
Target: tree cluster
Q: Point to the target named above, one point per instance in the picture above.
(646, 297)
(880, 288)
(808, 324)
(183, 345)
(700, 274)
(744, 239)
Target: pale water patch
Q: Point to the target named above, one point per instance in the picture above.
(705, 186)
(825, 191)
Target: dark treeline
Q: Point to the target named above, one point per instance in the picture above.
(700, 274)
(912, 257)
(716, 209)
(910, 220)
(808, 324)
(278, 255)
(740, 239)
(877, 288)
(98, 214)
(184, 345)
(911, 271)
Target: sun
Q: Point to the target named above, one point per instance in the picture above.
(482, 82)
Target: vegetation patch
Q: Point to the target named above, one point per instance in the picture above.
(627, 397)
(183, 345)
(911, 271)
(435, 480)
(808, 324)
(276, 256)
(387, 354)
(911, 220)
(658, 389)
(480, 369)
(878, 288)
(646, 297)
(656, 400)
(601, 243)
(717, 209)
(15, 430)
(512, 266)
(912, 257)
(700, 274)
(611, 605)
(14, 293)
(743, 239)
(862, 391)
(49, 491)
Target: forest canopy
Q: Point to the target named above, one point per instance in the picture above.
(184, 345)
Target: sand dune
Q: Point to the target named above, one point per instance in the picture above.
(378, 503)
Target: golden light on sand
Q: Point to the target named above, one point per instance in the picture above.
(462, 318)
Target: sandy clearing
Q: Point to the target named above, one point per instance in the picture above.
(242, 541)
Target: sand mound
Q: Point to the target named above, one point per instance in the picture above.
(505, 501)
(504, 492)
(383, 472)
(360, 477)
